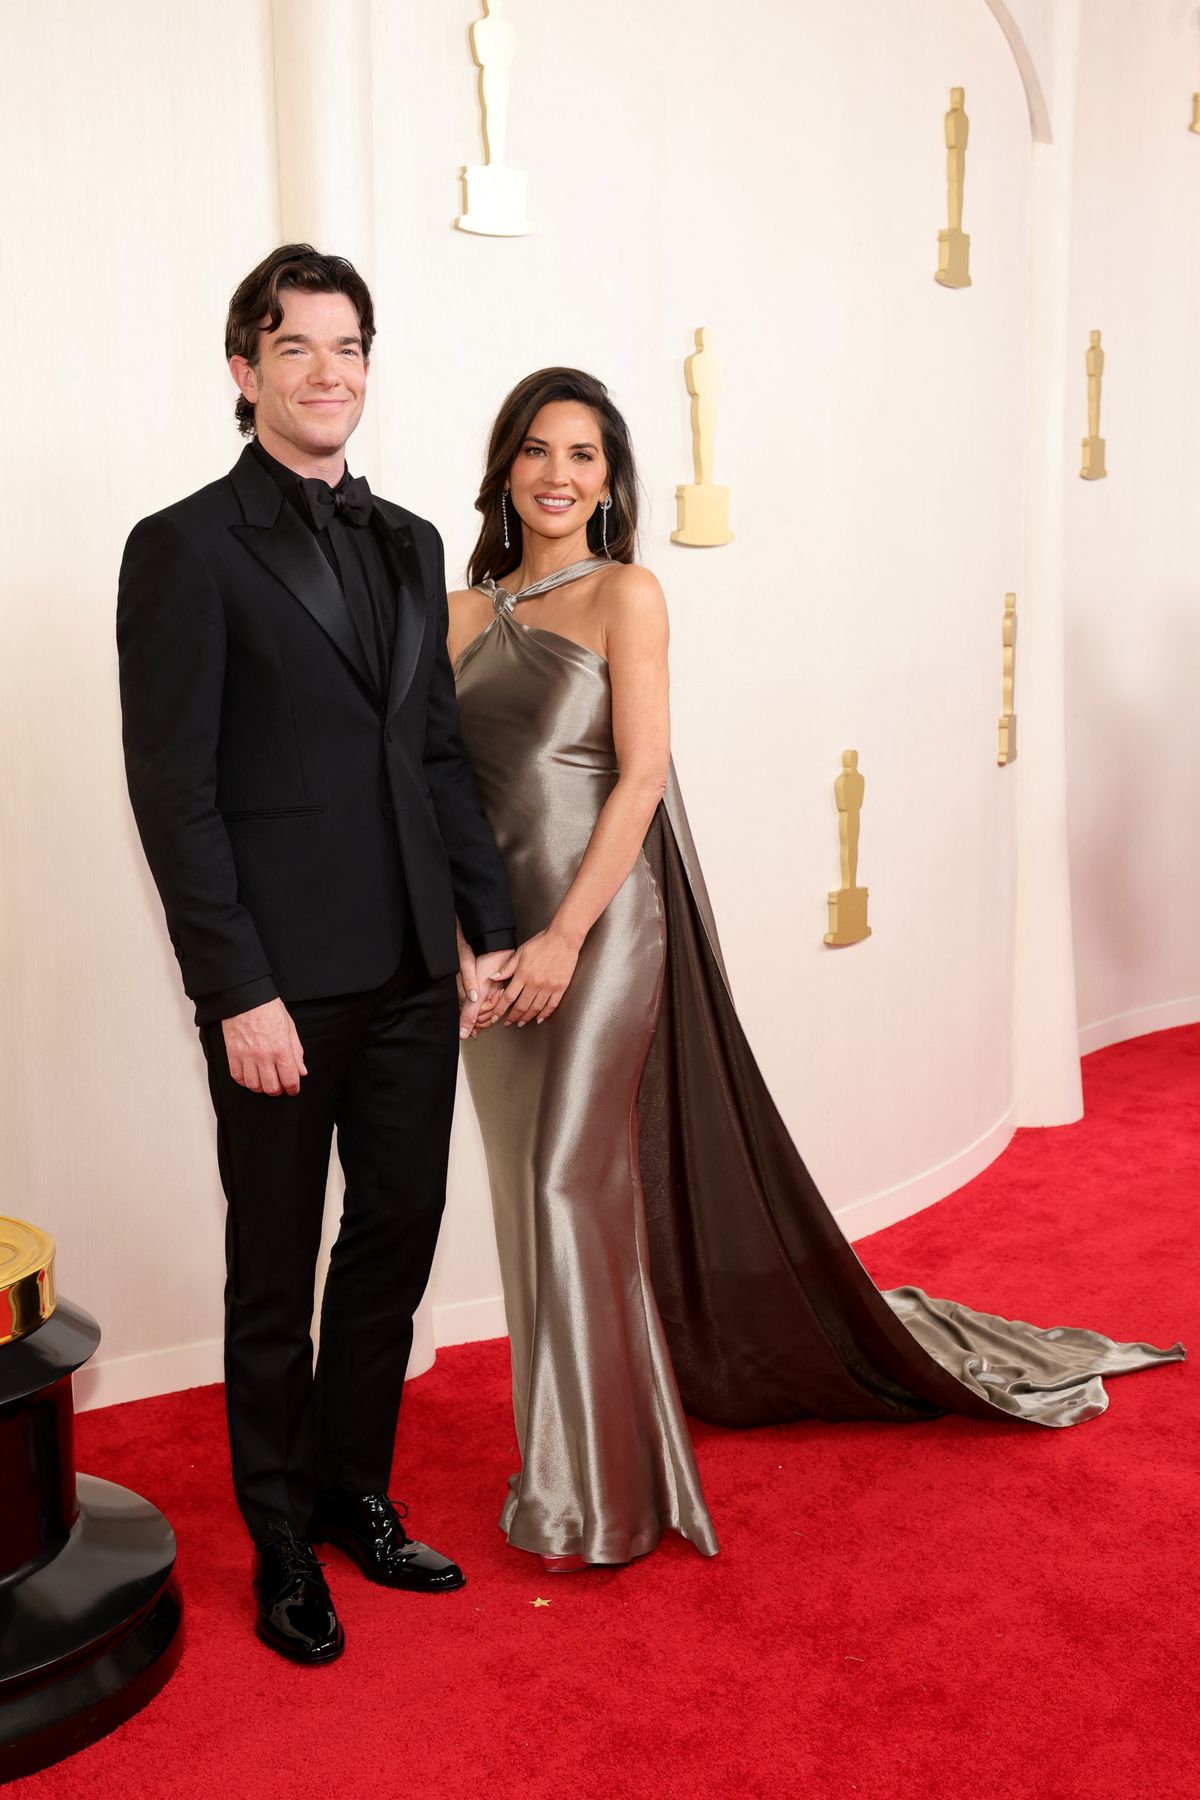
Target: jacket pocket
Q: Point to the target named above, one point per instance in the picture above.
(272, 812)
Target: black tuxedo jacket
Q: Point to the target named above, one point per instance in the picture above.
(295, 824)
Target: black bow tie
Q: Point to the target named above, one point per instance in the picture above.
(350, 501)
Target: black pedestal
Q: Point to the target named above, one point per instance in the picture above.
(89, 1613)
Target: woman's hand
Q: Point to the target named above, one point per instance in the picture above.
(538, 974)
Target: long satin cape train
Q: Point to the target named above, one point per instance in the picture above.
(768, 1313)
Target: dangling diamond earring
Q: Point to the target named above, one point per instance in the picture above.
(604, 506)
(504, 515)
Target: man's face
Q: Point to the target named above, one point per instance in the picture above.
(310, 381)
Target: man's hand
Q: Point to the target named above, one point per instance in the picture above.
(478, 988)
(265, 1055)
(493, 973)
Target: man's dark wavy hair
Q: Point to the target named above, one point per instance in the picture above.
(257, 305)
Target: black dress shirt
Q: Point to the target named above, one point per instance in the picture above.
(356, 556)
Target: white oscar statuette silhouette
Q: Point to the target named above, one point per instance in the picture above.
(494, 194)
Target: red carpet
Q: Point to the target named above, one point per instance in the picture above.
(950, 1611)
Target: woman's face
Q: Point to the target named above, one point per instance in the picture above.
(560, 476)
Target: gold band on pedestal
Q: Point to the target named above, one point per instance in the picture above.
(27, 1293)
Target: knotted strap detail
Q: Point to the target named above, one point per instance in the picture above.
(504, 602)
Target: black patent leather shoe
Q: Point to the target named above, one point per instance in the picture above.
(296, 1614)
(369, 1528)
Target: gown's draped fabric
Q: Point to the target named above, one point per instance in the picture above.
(659, 1234)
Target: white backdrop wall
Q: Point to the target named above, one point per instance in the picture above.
(777, 175)
(787, 193)
(1133, 541)
(138, 152)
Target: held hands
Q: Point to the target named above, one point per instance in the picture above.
(265, 1055)
(478, 985)
(537, 975)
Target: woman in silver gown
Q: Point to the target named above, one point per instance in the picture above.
(662, 1244)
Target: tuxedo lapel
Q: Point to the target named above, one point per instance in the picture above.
(282, 543)
(412, 580)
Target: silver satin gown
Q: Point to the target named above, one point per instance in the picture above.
(659, 1234)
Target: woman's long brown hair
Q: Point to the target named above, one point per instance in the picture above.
(513, 422)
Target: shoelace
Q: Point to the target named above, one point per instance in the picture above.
(398, 1508)
(296, 1559)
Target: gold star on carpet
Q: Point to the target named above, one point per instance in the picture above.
(539, 1602)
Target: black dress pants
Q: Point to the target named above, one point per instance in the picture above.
(381, 1072)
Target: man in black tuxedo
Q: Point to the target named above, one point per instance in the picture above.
(309, 817)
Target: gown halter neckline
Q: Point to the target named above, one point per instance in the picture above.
(503, 600)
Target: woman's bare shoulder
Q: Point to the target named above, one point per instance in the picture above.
(632, 593)
(467, 603)
(470, 612)
(634, 611)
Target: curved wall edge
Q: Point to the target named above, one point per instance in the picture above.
(872, 1213)
(152, 1372)
(1143, 1020)
(147, 1373)
(1026, 61)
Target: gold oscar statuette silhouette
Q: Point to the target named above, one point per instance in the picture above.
(954, 246)
(703, 510)
(494, 194)
(848, 904)
(1008, 719)
(1195, 124)
(1093, 468)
